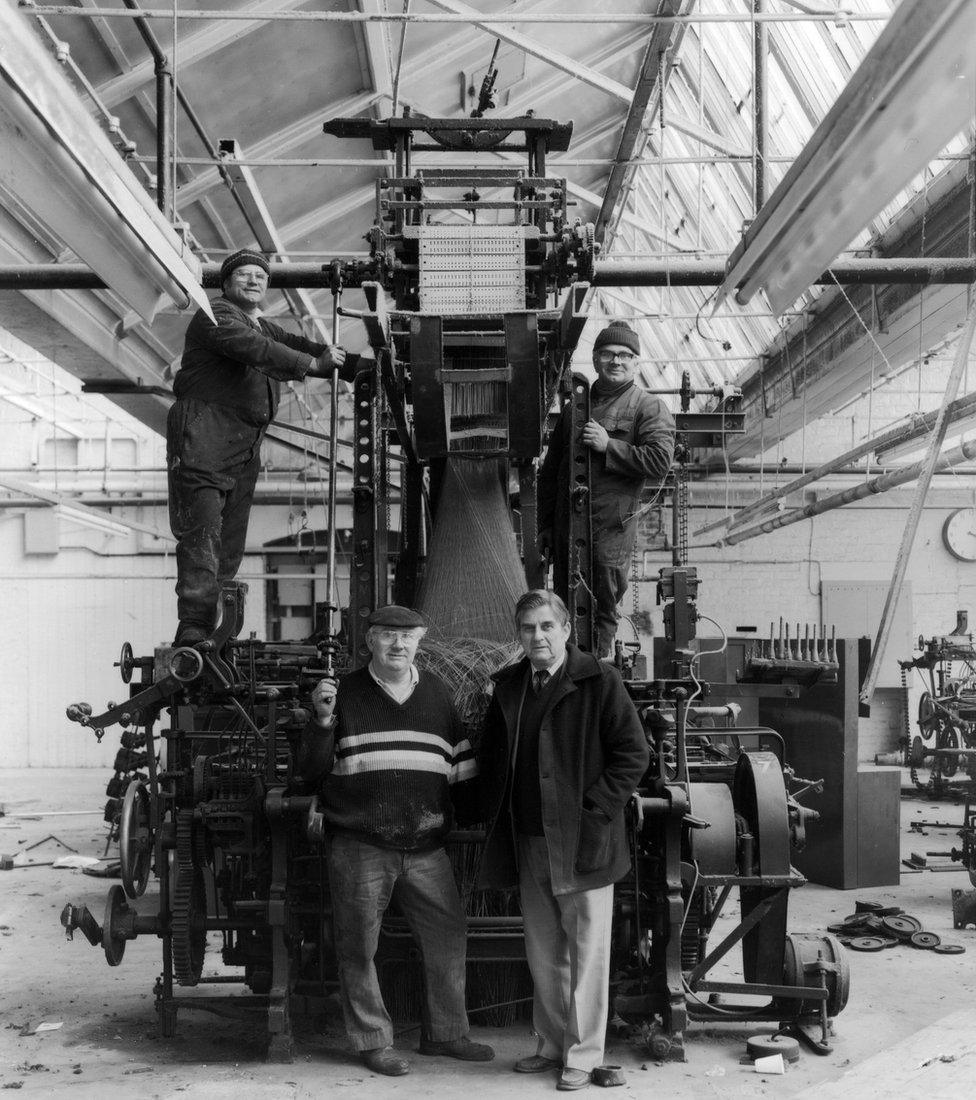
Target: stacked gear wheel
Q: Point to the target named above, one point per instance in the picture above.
(188, 904)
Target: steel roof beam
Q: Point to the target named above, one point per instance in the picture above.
(195, 47)
(377, 50)
(665, 39)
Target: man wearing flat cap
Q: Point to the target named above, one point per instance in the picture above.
(630, 435)
(227, 391)
(394, 763)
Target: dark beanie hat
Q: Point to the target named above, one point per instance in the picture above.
(395, 615)
(239, 259)
(619, 333)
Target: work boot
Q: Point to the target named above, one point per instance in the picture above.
(385, 1060)
(461, 1048)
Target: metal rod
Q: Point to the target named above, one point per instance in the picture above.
(600, 19)
(760, 111)
(697, 273)
(606, 273)
(164, 132)
(928, 466)
(962, 453)
(330, 566)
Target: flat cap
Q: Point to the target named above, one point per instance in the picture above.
(395, 615)
(240, 259)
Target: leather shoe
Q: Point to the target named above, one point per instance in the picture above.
(461, 1048)
(571, 1079)
(385, 1060)
(536, 1063)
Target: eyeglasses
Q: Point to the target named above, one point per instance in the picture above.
(608, 357)
(388, 637)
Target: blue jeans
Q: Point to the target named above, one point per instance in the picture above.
(363, 879)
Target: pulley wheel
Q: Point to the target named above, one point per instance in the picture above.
(868, 943)
(762, 1046)
(903, 926)
(126, 662)
(927, 940)
(867, 906)
(916, 756)
(113, 941)
(949, 949)
(135, 840)
(947, 738)
(713, 848)
(926, 714)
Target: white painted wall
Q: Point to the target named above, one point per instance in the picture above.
(64, 619)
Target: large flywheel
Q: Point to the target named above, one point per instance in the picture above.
(135, 839)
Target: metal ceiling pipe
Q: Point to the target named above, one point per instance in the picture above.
(958, 410)
(893, 269)
(882, 484)
(760, 118)
(606, 273)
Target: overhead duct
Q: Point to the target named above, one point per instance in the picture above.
(61, 167)
(912, 93)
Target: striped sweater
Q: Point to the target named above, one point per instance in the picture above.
(395, 764)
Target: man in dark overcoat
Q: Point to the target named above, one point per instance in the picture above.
(227, 392)
(630, 435)
(563, 750)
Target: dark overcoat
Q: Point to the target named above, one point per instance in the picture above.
(592, 750)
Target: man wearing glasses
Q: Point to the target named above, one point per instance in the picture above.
(394, 758)
(631, 438)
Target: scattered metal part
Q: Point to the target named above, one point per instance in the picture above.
(926, 940)
(903, 926)
(607, 1076)
(762, 1046)
(949, 949)
(868, 943)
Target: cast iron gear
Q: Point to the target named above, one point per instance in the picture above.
(188, 904)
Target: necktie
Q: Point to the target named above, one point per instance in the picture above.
(540, 679)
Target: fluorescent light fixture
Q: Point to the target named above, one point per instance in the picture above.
(911, 94)
(60, 165)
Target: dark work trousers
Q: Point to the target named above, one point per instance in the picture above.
(609, 584)
(213, 457)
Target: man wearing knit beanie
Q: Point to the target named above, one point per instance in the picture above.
(630, 435)
(227, 392)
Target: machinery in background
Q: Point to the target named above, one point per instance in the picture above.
(471, 355)
(947, 708)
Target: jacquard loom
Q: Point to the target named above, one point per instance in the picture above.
(473, 323)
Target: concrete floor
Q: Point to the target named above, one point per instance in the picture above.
(909, 1028)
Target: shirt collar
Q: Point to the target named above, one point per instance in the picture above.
(400, 691)
(552, 669)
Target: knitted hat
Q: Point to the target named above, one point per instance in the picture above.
(239, 259)
(395, 615)
(620, 334)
